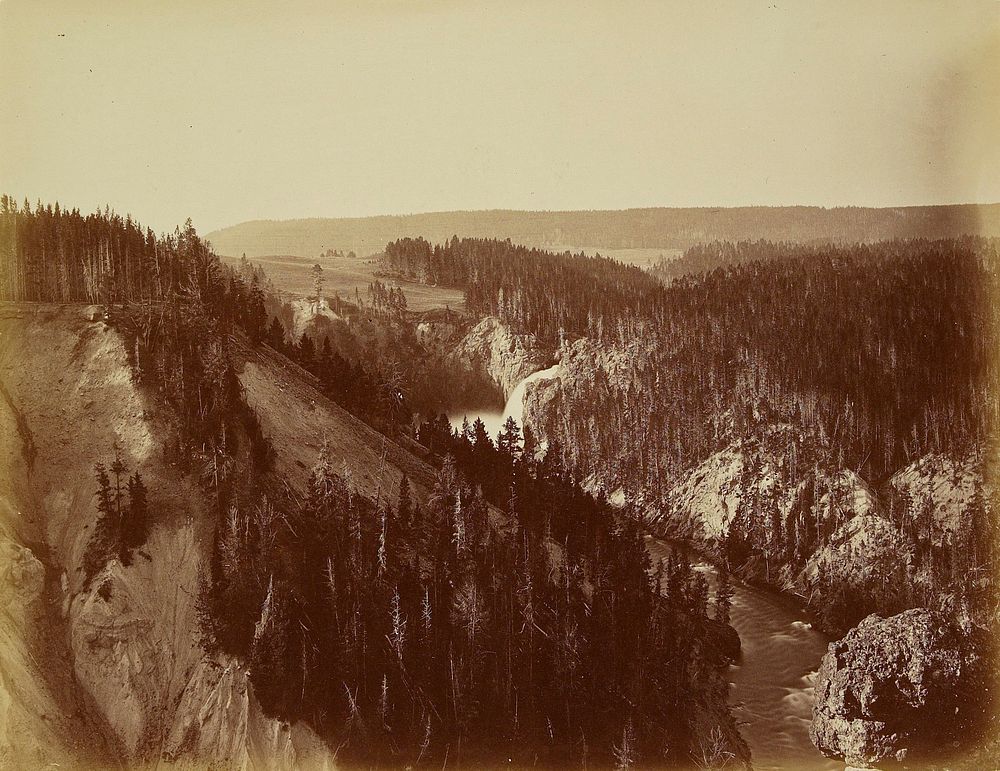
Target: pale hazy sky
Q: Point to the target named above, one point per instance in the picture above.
(232, 111)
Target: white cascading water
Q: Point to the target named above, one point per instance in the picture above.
(494, 419)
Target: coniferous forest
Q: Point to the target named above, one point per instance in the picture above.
(885, 350)
(606, 387)
(510, 615)
(872, 356)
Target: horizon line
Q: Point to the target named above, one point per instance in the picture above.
(424, 213)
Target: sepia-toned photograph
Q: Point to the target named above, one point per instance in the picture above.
(482, 384)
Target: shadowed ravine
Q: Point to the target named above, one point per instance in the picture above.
(772, 689)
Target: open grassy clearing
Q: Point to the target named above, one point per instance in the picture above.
(348, 277)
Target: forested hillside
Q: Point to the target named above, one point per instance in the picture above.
(884, 350)
(469, 625)
(631, 228)
(754, 401)
(546, 294)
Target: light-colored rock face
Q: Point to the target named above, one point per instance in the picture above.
(507, 358)
(774, 466)
(704, 503)
(307, 312)
(944, 485)
(863, 543)
(893, 688)
(22, 578)
(219, 721)
(121, 661)
(860, 540)
(27, 739)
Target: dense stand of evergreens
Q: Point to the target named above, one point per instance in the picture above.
(703, 258)
(122, 524)
(58, 255)
(414, 634)
(875, 355)
(510, 617)
(379, 400)
(886, 350)
(547, 294)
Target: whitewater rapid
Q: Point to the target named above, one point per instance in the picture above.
(773, 683)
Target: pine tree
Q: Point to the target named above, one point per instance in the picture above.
(404, 508)
(106, 540)
(723, 597)
(276, 335)
(509, 438)
(135, 527)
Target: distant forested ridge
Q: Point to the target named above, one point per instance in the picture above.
(665, 228)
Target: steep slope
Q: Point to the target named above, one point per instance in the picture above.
(941, 487)
(114, 671)
(822, 531)
(298, 419)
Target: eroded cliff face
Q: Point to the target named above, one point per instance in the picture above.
(942, 488)
(109, 672)
(42, 722)
(507, 358)
(813, 518)
(819, 527)
(897, 688)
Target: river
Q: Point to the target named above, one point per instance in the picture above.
(772, 686)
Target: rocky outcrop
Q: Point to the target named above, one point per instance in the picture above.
(22, 577)
(896, 687)
(307, 314)
(507, 358)
(219, 721)
(547, 403)
(941, 488)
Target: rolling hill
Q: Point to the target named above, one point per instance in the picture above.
(634, 232)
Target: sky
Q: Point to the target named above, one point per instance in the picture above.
(231, 111)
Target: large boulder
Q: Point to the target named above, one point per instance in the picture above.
(896, 687)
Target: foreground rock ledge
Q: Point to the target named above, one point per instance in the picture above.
(896, 688)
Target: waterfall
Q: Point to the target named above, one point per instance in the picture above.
(515, 404)
(494, 419)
